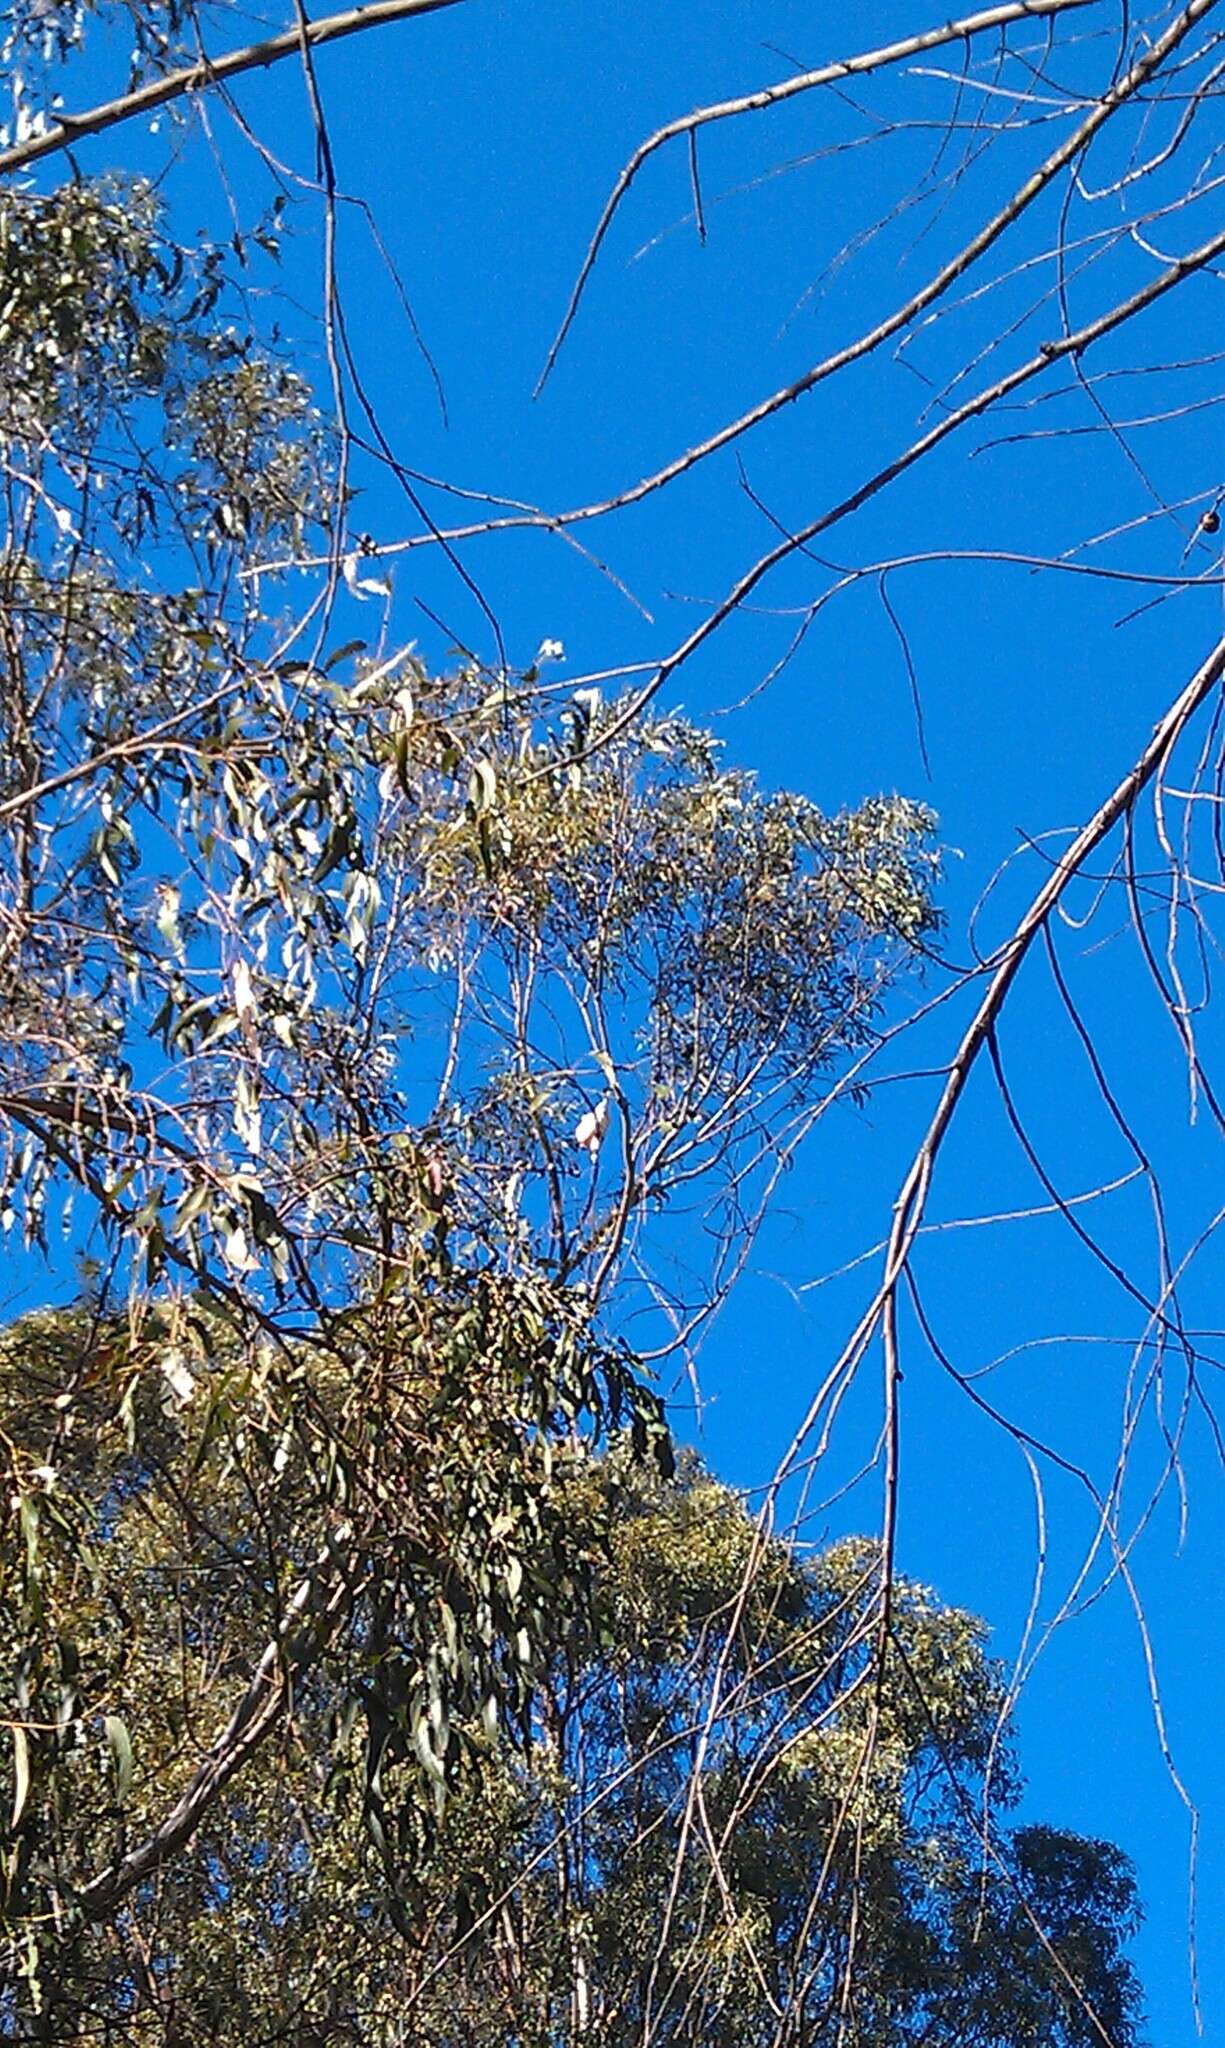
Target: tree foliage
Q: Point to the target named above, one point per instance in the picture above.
(826, 1858)
(241, 873)
(351, 1607)
(348, 1275)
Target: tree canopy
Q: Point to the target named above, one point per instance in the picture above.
(497, 1804)
(402, 1046)
(311, 962)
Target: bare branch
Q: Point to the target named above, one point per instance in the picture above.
(983, 401)
(911, 1202)
(74, 128)
(865, 344)
(773, 96)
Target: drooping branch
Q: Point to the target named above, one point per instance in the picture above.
(1010, 957)
(351, 21)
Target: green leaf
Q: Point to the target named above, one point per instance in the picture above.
(193, 1203)
(431, 1763)
(482, 786)
(119, 1742)
(225, 1023)
(343, 653)
(402, 776)
(27, 1514)
(340, 839)
(21, 1773)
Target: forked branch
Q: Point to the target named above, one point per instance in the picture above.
(774, 95)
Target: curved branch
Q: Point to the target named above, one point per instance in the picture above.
(73, 128)
(1073, 344)
(912, 1199)
(311, 1615)
(773, 96)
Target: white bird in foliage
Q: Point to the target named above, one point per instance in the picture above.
(591, 1126)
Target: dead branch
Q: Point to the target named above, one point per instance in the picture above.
(912, 1199)
(865, 344)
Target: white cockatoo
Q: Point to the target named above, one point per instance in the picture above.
(591, 1126)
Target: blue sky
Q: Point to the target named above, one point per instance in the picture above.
(486, 139)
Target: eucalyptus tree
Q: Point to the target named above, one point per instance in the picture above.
(830, 1859)
(372, 1023)
(312, 961)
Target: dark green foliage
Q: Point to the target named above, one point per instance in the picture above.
(680, 1794)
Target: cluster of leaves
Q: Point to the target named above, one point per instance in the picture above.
(39, 37)
(75, 272)
(750, 926)
(807, 1864)
(176, 1495)
(310, 1470)
(619, 914)
(328, 1632)
(761, 1829)
(141, 432)
(269, 872)
(242, 862)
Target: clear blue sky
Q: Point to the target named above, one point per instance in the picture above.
(486, 139)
